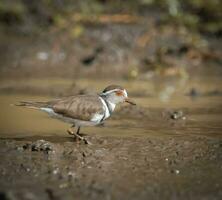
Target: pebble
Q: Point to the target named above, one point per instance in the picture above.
(20, 149)
(176, 171)
(177, 115)
(55, 171)
(63, 185)
(41, 145)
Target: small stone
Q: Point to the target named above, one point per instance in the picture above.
(177, 115)
(41, 145)
(63, 185)
(19, 149)
(28, 169)
(71, 175)
(176, 171)
(26, 146)
(56, 171)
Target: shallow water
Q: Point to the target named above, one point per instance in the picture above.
(203, 117)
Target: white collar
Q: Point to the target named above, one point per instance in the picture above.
(108, 106)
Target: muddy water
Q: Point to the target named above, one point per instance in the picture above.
(151, 116)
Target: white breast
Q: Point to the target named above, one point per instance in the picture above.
(97, 118)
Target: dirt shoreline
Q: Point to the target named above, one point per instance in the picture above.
(111, 168)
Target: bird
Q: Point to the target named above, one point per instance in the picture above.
(83, 110)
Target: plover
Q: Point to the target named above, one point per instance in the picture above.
(83, 110)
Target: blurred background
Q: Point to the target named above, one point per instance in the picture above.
(130, 39)
(166, 53)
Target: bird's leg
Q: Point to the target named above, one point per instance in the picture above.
(77, 134)
(71, 132)
(81, 137)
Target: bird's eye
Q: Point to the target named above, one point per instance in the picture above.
(119, 93)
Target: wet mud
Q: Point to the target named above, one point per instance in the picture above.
(111, 168)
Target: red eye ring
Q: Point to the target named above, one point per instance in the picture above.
(119, 93)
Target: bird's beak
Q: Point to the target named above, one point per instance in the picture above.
(127, 100)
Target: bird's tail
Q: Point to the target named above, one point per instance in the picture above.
(30, 104)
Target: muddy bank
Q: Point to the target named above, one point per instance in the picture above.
(155, 150)
(111, 168)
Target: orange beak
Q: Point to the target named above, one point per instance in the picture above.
(127, 100)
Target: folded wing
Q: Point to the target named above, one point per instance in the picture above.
(81, 107)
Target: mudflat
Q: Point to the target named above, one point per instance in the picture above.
(155, 150)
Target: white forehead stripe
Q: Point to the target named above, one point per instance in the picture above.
(110, 91)
(115, 90)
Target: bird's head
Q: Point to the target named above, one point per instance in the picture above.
(116, 94)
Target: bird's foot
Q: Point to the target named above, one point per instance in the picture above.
(70, 132)
(78, 137)
(83, 139)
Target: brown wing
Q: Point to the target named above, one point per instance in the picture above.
(81, 107)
